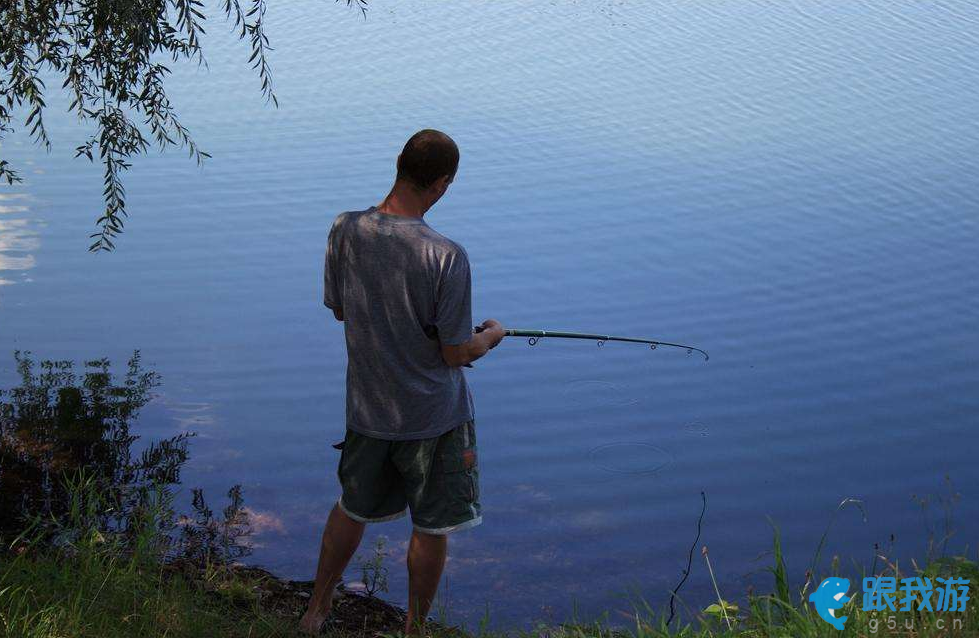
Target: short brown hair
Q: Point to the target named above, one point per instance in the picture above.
(427, 156)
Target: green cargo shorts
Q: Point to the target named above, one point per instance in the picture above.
(437, 479)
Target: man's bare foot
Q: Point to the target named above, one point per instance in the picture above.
(312, 621)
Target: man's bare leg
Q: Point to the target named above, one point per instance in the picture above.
(341, 536)
(426, 558)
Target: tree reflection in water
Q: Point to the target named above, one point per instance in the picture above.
(66, 436)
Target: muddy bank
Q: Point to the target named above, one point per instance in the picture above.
(354, 613)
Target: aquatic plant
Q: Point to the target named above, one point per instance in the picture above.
(373, 571)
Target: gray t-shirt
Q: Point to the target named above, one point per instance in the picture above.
(402, 288)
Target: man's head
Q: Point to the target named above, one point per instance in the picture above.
(428, 163)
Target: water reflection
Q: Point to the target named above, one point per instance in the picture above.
(69, 465)
(12, 203)
(190, 416)
(18, 241)
(57, 423)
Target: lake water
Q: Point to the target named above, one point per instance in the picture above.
(791, 186)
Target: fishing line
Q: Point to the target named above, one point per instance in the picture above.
(686, 572)
(534, 336)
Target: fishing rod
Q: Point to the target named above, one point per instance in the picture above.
(533, 336)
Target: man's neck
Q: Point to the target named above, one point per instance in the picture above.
(403, 201)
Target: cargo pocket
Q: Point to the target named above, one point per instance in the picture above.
(470, 459)
(457, 476)
(473, 474)
(342, 446)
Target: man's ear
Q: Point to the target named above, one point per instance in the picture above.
(437, 189)
(442, 184)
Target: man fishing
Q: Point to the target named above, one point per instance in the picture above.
(403, 292)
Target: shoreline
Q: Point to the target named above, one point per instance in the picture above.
(353, 613)
(94, 588)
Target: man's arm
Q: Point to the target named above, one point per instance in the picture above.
(477, 346)
(331, 274)
(453, 315)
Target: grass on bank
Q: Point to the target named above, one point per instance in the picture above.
(91, 589)
(94, 595)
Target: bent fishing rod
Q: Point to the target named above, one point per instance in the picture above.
(533, 336)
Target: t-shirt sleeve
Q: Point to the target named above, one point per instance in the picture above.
(331, 271)
(453, 308)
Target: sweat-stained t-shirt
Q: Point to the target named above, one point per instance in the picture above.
(403, 289)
